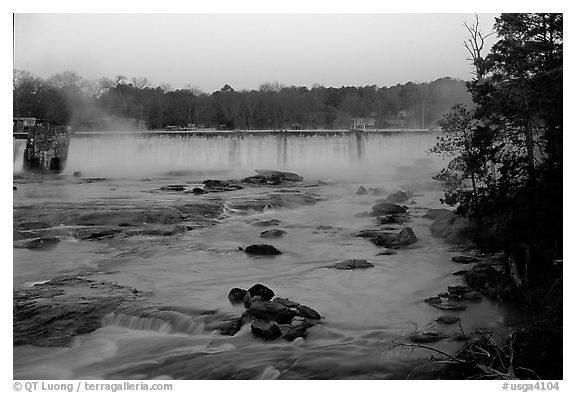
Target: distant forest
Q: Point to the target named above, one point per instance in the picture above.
(121, 103)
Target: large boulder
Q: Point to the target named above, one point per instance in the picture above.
(262, 249)
(383, 207)
(448, 319)
(257, 179)
(298, 328)
(279, 174)
(403, 238)
(307, 312)
(271, 311)
(399, 196)
(261, 290)
(248, 300)
(266, 329)
(406, 237)
(220, 186)
(210, 183)
(286, 302)
(237, 295)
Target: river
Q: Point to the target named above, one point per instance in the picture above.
(365, 312)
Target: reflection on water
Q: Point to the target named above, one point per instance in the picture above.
(364, 310)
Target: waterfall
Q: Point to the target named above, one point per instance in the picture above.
(18, 145)
(168, 322)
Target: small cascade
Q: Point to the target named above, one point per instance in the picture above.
(167, 322)
(18, 146)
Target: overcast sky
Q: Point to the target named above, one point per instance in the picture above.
(210, 50)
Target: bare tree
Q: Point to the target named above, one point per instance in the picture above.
(140, 82)
(474, 45)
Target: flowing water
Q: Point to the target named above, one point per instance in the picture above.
(365, 311)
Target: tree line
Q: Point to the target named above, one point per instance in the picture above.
(69, 99)
(505, 174)
(506, 151)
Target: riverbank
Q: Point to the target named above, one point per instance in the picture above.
(534, 347)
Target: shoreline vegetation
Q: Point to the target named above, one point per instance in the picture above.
(505, 177)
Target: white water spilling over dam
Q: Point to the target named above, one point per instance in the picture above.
(341, 156)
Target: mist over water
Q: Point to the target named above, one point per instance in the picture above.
(364, 311)
(349, 157)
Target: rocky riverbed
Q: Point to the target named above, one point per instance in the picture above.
(318, 271)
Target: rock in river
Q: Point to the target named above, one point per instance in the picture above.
(279, 174)
(307, 312)
(272, 233)
(261, 290)
(447, 319)
(286, 302)
(42, 243)
(262, 249)
(406, 237)
(271, 311)
(383, 207)
(265, 329)
(361, 191)
(399, 196)
(352, 264)
(433, 300)
(266, 223)
(173, 187)
(51, 314)
(237, 295)
(298, 328)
